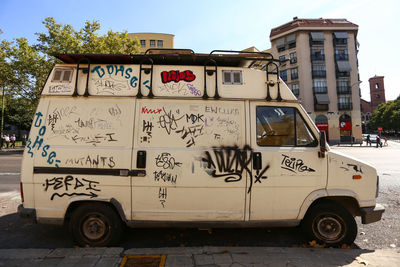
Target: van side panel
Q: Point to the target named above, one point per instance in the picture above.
(186, 168)
(80, 145)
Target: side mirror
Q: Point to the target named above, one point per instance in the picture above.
(322, 144)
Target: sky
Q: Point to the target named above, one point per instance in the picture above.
(206, 25)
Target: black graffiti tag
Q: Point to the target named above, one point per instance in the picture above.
(69, 183)
(232, 163)
(165, 176)
(168, 121)
(294, 165)
(166, 161)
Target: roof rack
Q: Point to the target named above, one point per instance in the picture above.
(157, 56)
(172, 57)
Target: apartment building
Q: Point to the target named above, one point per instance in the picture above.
(319, 63)
(153, 40)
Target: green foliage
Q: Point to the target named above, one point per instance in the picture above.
(19, 112)
(387, 115)
(24, 68)
(64, 39)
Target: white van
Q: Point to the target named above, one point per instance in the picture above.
(185, 139)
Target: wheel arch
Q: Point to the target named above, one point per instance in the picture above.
(348, 199)
(113, 203)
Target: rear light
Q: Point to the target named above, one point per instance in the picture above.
(21, 191)
(357, 177)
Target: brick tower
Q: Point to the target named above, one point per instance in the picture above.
(377, 91)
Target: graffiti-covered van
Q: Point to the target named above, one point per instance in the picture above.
(175, 138)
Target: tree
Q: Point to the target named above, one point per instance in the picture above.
(24, 68)
(64, 39)
(387, 115)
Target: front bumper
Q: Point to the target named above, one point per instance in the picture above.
(372, 214)
(27, 215)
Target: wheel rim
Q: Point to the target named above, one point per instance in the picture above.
(95, 227)
(329, 228)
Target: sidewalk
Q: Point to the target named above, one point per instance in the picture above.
(206, 256)
(16, 150)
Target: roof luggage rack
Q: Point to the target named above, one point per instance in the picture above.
(164, 56)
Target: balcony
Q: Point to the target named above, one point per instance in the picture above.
(316, 43)
(320, 90)
(345, 106)
(343, 90)
(340, 57)
(344, 74)
(318, 74)
(321, 107)
(317, 57)
(339, 42)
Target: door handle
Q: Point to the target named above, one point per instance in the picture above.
(257, 161)
(141, 159)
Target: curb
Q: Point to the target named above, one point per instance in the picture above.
(201, 256)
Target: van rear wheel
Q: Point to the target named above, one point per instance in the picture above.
(95, 224)
(330, 223)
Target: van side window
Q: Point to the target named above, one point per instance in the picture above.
(282, 126)
(62, 75)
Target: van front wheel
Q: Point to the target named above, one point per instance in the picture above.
(331, 224)
(95, 224)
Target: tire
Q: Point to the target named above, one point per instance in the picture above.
(95, 224)
(330, 223)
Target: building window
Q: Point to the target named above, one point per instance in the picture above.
(319, 86)
(343, 87)
(152, 43)
(143, 43)
(377, 96)
(280, 44)
(295, 89)
(344, 103)
(377, 86)
(282, 126)
(282, 60)
(317, 38)
(317, 54)
(341, 54)
(284, 75)
(318, 71)
(160, 43)
(340, 38)
(293, 58)
(292, 45)
(232, 77)
(294, 74)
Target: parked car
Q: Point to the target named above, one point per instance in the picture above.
(372, 137)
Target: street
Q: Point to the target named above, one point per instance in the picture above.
(384, 234)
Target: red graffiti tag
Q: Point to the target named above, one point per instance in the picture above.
(176, 76)
(151, 111)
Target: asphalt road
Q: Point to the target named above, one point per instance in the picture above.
(383, 234)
